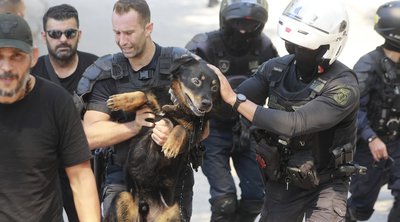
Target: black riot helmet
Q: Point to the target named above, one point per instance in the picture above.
(255, 12)
(387, 24)
(241, 20)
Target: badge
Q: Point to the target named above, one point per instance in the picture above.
(224, 65)
(342, 96)
(253, 65)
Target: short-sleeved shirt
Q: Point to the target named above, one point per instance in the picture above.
(37, 134)
(69, 83)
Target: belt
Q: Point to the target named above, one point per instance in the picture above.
(328, 177)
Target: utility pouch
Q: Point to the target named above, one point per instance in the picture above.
(343, 155)
(268, 158)
(301, 170)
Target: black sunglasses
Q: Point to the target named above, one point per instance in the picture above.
(56, 34)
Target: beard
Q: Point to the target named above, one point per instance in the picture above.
(65, 55)
(21, 85)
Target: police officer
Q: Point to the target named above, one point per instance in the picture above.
(237, 48)
(140, 65)
(307, 133)
(378, 119)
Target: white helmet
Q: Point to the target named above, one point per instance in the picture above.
(313, 23)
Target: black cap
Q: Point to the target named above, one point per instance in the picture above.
(15, 33)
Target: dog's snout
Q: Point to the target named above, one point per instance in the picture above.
(206, 103)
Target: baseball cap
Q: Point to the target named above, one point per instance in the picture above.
(15, 33)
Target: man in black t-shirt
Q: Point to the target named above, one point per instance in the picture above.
(40, 131)
(63, 65)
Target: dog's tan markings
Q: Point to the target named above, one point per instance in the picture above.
(171, 214)
(153, 102)
(170, 108)
(126, 207)
(126, 101)
(177, 89)
(175, 141)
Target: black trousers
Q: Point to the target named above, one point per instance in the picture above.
(326, 202)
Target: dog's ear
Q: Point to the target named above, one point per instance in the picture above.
(182, 58)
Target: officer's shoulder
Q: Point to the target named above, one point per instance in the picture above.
(201, 38)
(368, 62)
(265, 39)
(102, 65)
(282, 60)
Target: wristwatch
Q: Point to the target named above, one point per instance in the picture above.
(371, 138)
(239, 99)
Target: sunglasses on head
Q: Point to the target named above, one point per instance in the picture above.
(56, 34)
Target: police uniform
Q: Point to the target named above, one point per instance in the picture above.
(224, 140)
(112, 74)
(319, 129)
(379, 115)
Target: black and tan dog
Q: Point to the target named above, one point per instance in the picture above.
(152, 171)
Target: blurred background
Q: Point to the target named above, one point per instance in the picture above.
(177, 21)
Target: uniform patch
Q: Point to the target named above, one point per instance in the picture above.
(224, 65)
(342, 96)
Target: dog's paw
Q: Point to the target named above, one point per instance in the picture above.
(126, 101)
(176, 140)
(169, 152)
(169, 108)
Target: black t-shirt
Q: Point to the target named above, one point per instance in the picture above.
(37, 134)
(71, 82)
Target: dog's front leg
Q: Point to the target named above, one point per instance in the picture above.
(127, 101)
(175, 141)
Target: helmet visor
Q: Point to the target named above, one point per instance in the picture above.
(244, 25)
(304, 14)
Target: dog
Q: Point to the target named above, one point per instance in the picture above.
(151, 170)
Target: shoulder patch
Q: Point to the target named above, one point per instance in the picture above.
(342, 96)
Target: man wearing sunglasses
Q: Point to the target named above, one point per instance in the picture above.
(40, 132)
(63, 65)
(237, 48)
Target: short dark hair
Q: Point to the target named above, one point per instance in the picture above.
(60, 12)
(140, 6)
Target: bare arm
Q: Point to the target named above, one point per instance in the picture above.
(83, 186)
(101, 131)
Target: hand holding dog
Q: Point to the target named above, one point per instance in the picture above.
(144, 118)
(161, 131)
(227, 93)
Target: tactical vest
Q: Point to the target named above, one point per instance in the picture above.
(384, 103)
(117, 67)
(321, 143)
(236, 68)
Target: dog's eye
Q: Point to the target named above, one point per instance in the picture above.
(196, 81)
(214, 88)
